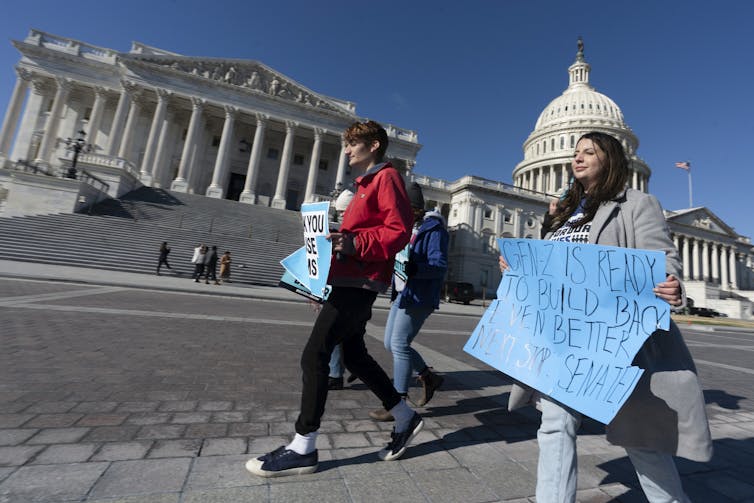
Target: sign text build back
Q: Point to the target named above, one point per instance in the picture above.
(569, 319)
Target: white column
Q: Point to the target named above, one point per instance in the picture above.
(249, 194)
(732, 266)
(124, 152)
(159, 163)
(499, 220)
(478, 216)
(13, 113)
(695, 259)
(154, 133)
(564, 171)
(219, 174)
(95, 120)
(715, 258)
(311, 180)
(180, 184)
(285, 164)
(116, 130)
(22, 145)
(685, 257)
(705, 260)
(724, 268)
(635, 180)
(53, 120)
(340, 177)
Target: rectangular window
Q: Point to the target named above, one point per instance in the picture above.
(487, 213)
(298, 159)
(87, 114)
(323, 164)
(508, 218)
(272, 153)
(215, 141)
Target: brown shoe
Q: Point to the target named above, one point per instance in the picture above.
(381, 415)
(431, 382)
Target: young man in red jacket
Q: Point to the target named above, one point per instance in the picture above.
(376, 225)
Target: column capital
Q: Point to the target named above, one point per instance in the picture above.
(40, 86)
(230, 111)
(24, 74)
(64, 83)
(101, 92)
(198, 103)
(261, 118)
(163, 94)
(291, 126)
(129, 85)
(318, 133)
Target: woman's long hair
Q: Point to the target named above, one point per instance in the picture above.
(612, 180)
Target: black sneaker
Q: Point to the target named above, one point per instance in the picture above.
(399, 441)
(282, 462)
(334, 383)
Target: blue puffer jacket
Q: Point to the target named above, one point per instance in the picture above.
(429, 253)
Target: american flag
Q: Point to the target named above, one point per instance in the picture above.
(684, 165)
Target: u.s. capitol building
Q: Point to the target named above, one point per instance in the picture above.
(238, 129)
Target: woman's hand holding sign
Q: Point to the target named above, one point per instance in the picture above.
(670, 291)
(503, 264)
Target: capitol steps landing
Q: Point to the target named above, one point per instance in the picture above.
(125, 235)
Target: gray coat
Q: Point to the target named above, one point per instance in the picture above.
(666, 410)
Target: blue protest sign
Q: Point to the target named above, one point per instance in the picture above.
(309, 266)
(569, 319)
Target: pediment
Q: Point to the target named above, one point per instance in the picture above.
(701, 218)
(248, 75)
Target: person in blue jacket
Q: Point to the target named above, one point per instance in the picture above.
(414, 299)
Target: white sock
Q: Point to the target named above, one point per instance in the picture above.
(303, 444)
(402, 414)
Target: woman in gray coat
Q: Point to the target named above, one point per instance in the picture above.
(664, 416)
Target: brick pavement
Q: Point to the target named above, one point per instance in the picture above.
(110, 394)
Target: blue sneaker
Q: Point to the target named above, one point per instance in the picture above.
(399, 441)
(282, 462)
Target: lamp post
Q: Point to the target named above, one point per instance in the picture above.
(78, 145)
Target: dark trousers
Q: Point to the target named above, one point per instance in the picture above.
(198, 270)
(163, 261)
(210, 271)
(342, 320)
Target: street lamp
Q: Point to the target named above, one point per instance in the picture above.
(78, 145)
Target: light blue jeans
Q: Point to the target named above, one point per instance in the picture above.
(336, 362)
(558, 463)
(401, 328)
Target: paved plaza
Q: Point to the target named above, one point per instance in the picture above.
(118, 387)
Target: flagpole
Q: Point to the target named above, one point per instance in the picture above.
(691, 204)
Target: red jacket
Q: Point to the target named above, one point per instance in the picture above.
(380, 218)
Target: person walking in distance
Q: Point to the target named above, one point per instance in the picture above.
(225, 262)
(198, 260)
(210, 266)
(164, 251)
(376, 226)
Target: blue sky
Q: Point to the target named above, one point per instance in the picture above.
(472, 77)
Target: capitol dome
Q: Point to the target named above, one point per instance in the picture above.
(580, 109)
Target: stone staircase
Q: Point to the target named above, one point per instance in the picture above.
(125, 234)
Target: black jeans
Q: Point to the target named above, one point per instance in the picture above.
(343, 319)
(198, 270)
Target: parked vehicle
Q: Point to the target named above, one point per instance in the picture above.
(458, 291)
(705, 312)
